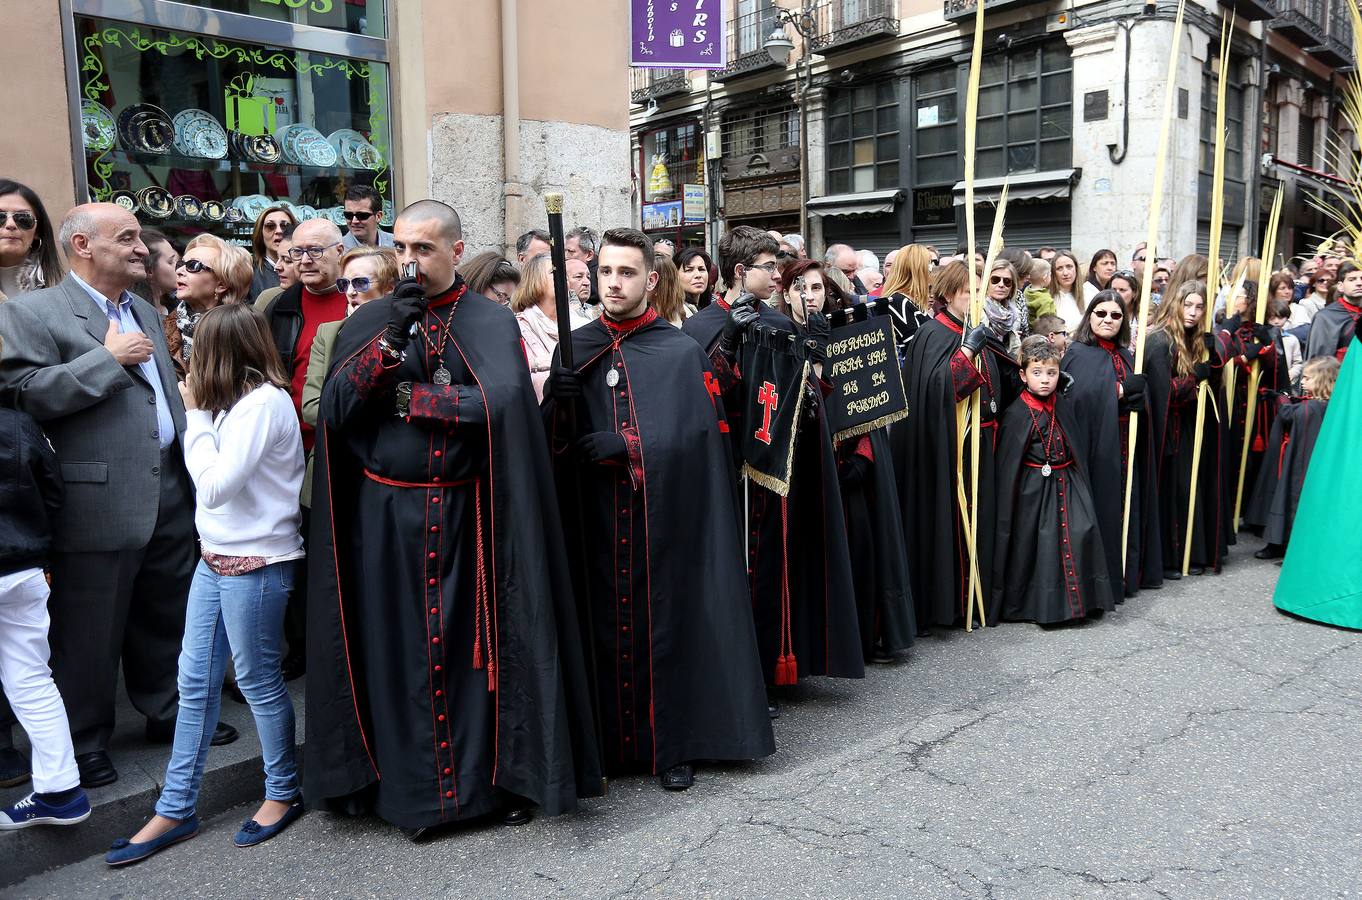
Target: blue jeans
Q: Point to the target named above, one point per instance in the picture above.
(243, 615)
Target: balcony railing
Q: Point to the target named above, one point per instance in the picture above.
(846, 23)
(1301, 21)
(653, 84)
(1253, 10)
(746, 44)
(1337, 47)
(959, 10)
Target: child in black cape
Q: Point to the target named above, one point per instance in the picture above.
(1282, 475)
(1049, 566)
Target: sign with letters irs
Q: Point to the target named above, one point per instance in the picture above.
(676, 34)
(867, 384)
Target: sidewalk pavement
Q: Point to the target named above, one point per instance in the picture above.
(234, 775)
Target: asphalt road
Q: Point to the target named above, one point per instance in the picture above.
(1194, 744)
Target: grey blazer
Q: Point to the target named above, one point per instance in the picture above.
(100, 416)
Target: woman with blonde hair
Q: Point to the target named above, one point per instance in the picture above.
(668, 297)
(908, 289)
(536, 310)
(1179, 355)
(210, 273)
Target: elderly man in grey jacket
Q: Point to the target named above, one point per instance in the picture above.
(88, 360)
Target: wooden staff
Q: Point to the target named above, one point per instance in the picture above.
(1213, 270)
(1147, 284)
(1255, 368)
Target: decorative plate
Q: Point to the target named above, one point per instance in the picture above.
(156, 202)
(304, 213)
(213, 211)
(337, 215)
(97, 125)
(389, 216)
(125, 199)
(146, 129)
(200, 135)
(188, 207)
(232, 215)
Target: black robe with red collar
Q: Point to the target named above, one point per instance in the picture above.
(445, 668)
(1235, 338)
(799, 566)
(936, 375)
(1048, 562)
(677, 671)
(1332, 329)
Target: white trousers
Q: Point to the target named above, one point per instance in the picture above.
(27, 680)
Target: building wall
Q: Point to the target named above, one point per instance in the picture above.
(35, 144)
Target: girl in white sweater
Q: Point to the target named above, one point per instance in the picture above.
(244, 451)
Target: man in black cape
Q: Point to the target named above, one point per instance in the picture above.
(806, 548)
(642, 467)
(1106, 390)
(445, 672)
(939, 370)
(1333, 326)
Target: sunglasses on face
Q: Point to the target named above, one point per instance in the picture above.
(24, 221)
(1109, 314)
(998, 279)
(274, 225)
(361, 216)
(297, 253)
(360, 284)
(193, 266)
(784, 254)
(933, 263)
(1139, 259)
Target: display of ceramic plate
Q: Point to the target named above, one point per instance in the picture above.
(389, 216)
(125, 199)
(156, 202)
(305, 213)
(256, 206)
(187, 207)
(213, 210)
(336, 214)
(232, 215)
(200, 135)
(354, 150)
(97, 125)
(146, 129)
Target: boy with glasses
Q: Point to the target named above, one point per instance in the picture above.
(363, 209)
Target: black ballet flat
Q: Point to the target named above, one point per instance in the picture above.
(1171, 575)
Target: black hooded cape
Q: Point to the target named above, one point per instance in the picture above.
(398, 713)
(1172, 404)
(924, 452)
(799, 541)
(1100, 440)
(1330, 330)
(1278, 491)
(1273, 378)
(1048, 562)
(678, 674)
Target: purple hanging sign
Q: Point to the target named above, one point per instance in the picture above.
(677, 34)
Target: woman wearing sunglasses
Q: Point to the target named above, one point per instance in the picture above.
(1000, 309)
(273, 225)
(28, 253)
(1316, 298)
(1105, 391)
(211, 272)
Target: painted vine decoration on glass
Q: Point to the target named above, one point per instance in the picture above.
(92, 68)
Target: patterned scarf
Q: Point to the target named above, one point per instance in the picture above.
(185, 322)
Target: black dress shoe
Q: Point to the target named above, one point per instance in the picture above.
(772, 707)
(14, 768)
(162, 731)
(1196, 570)
(231, 689)
(96, 769)
(294, 666)
(1271, 551)
(678, 778)
(517, 817)
(1172, 574)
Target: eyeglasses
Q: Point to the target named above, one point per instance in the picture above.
(1123, 273)
(1139, 259)
(1109, 314)
(24, 221)
(502, 296)
(297, 253)
(998, 279)
(360, 284)
(361, 216)
(193, 266)
(274, 225)
(770, 267)
(784, 254)
(933, 263)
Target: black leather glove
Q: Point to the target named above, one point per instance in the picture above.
(854, 471)
(977, 337)
(1253, 351)
(1262, 334)
(1134, 385)
(1201, 371)
(563, 384)
(810, 403)
(601, 446)
(1211, 343)
(1066, 383)
(741, 315)
(819, 332)
(409, 305)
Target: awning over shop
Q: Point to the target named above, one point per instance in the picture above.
(1053, 185)
(866, 203)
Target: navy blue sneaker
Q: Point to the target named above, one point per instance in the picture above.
(252, 832)
(33, 811)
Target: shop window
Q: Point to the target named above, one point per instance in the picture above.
(197, 134)
(355, 16)
(1236, 188)
(672, 157)
(1025, 119)
(936, 124)
(863, 138)
(760, 131)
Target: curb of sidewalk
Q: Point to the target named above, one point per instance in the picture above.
(36, 850)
